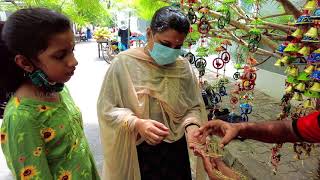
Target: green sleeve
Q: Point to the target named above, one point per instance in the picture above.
(25, 148)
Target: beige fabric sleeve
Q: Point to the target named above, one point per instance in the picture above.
(117, 131)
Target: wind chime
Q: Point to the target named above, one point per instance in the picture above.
(217, 90)
(225, 18)
(220, 62)
(203, 28)
(301, 55)
(244, 87)
(193, 19)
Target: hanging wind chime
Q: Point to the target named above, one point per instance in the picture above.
(301, 55)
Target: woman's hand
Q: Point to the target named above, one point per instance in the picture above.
(215, 164)
(192, 140)
(152, 131)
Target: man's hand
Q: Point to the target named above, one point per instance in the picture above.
(220, 128)
(152, 131)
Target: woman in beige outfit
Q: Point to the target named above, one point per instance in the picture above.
(150, 105)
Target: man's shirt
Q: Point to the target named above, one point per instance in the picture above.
(308, 127)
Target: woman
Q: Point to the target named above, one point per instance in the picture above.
(150, 106)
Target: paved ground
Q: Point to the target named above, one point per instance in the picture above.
(252, 157)
(249, 157)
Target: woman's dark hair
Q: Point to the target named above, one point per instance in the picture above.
(169, 17)
(27, 33)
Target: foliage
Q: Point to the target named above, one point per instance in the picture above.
(81, 12)
(202, 51)
(146, 8)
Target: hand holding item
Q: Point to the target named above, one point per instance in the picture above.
(215, 167)
(227, 131)
(152, 131)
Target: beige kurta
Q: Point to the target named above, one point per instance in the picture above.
(135, 87)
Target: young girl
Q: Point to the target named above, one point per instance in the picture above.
(42, 133)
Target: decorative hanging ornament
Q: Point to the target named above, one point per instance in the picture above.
(225, 18)
(204, 25)
(192, 16)
(254, 40)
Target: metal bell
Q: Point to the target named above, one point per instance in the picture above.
(297, 96)
(305, 51)
(297, 33)
(278, 63)
(289, 89)
(287, 69)
(285, 60)
(310, 5)
(309, 104)
(309, 69)
(312, 32)
(315, 87)
(301, 87)
(294, 71)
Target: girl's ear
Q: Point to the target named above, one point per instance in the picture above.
(24, 63)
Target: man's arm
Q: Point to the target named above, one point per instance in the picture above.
(306, 128)
(269, 132)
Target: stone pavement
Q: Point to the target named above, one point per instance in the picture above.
(252, 157)
(249, 157)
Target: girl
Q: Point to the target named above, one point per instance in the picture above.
(42, 134)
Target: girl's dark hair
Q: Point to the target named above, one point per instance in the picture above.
(169, 17)
(4, 56)
(27, 33)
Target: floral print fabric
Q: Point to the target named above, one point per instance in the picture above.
(45, 140)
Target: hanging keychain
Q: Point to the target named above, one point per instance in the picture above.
(192, 16)
(204, 25)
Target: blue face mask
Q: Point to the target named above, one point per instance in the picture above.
(40, 79)
(164, 55)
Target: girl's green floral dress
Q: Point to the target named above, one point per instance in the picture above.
(45, 140)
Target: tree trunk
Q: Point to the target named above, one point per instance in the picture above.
(290, 8)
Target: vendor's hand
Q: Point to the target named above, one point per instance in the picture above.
(227, 131)
(152, 131)
(215, 164)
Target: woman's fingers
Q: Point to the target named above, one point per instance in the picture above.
(150, 142)
(161, 126)
(155, 137)
(159, 129)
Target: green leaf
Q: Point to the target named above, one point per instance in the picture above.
(257, 22)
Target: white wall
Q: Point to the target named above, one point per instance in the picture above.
(3, 16)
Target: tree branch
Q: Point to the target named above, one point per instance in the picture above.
(242, 42)
(290, 8)
(275, 15)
